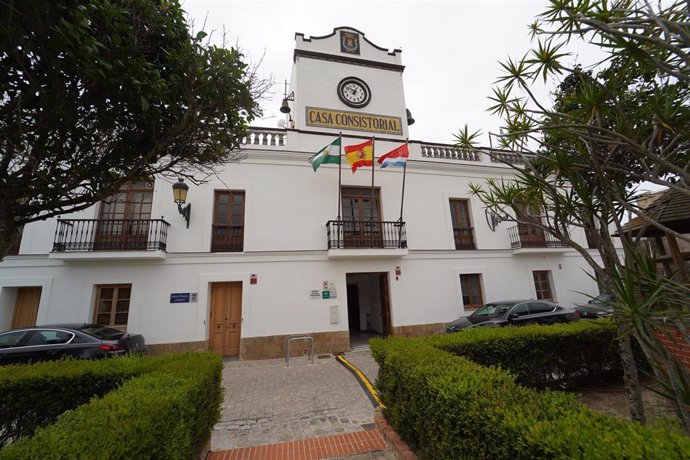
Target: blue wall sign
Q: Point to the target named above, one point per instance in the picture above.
(179, 297)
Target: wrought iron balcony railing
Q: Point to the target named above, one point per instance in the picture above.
(364, 234)
(110, 235)
(464, 238)
(529, 236)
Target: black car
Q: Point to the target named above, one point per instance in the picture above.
(598, 307)
(514, 312)
(85, 341)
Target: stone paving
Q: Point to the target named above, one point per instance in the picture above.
(365, 363)
(267, 402)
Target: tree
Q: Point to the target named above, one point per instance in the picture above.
(624, 121)
(96, 93)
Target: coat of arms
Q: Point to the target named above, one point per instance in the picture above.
(349, 42)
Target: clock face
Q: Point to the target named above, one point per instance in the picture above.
(354, 92)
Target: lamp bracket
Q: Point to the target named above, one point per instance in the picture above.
(185, 212)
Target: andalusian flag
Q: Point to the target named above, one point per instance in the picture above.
(328, 154)
(360, 154)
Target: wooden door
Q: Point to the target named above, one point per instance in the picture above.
(531, 235)
(26, 307)
(125, 218)
(385, 304)
(361, 222)
(226, 318)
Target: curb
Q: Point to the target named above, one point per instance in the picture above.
(399, 447)
(363, 382)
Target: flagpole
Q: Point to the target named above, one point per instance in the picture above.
(373, 155)
(402, 195)
(340, 172)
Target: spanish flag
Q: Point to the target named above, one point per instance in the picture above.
(360, 154)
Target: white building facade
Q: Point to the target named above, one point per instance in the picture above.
(264, 255)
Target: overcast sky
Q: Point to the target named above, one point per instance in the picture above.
(450, 49)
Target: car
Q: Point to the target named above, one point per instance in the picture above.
(83, 341)
(598, 307)
(515, 313)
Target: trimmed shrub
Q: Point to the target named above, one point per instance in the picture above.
(32, 396)
(557, 356)
(165, 407)
(447, 406)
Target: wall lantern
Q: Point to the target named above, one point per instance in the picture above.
(180, 197)
(410, 120)
(284, 107)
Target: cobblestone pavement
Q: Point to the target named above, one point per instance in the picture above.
(267, 402)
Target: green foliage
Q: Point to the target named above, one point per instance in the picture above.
(449, 407)
(136, 407)
(612, 125)
(97, 93)
(539, 356)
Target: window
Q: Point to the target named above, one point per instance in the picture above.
(542, 284)
(521, 309)
(11, 339)
(361, 227)
(112, 305)
(16, 242)
(49, 337)
(530, 235)
(125, 218)
(462, 227)
(471, 290)
(538, 307)
(228, 221)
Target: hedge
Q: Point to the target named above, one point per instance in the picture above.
(447, 406)
(147, 407)
(557, 356)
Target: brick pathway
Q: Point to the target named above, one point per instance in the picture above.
(336, 446)
(268, 403)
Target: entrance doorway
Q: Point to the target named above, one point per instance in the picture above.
(226, 318)
(26, 307)
(368, 307)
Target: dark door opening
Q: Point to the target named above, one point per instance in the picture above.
(368, 307)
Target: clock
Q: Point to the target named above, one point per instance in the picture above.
(354, 92)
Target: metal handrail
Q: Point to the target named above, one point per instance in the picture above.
(531, 236)
(357, 234)
(110, 235)
(289, 341)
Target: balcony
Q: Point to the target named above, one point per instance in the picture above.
(528, 239)
(95, 239)
(355, 238)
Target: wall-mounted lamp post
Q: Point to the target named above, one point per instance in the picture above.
(285, 107)
(410, 120)
(180, 197)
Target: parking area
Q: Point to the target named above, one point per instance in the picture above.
(267, 402)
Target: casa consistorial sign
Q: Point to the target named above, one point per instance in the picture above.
(355, 121)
